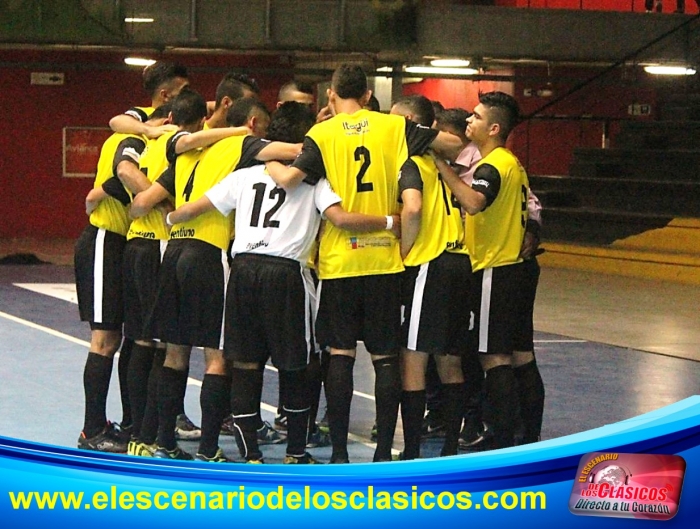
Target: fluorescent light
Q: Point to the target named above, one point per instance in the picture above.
(139, 20)
(669, 70)
(138, 61)
(441, 71)
(450, 63)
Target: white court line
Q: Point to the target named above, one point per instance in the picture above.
(560, 341)
(190, 381)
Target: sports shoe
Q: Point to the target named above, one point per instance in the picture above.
(186, 430)
(260, 461)
(123, 431)
(477, 441)
(280, 422)
(137, 448)
(108, 440)
(323, 423)
(373, 432)
(176, 453)
(227, 426)
(432, 426)
(267, 435)
(306, 459)
(318, 439)
(219, 457)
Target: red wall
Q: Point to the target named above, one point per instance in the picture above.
(97, 86)
(669, 6)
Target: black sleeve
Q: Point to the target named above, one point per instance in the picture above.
(487, 181)
(128, 150)
(167, 179)
(418, 138)
(409, 177)
(251, 148)
(137, 113)
(170, 153)
(310, 160)
(114, 188)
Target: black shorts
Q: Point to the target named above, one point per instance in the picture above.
(436, 308)
(142, 258)
(191, 292)
(364, 308)
(499, 305)
(98, 278)
(269, 312)
(526, 330)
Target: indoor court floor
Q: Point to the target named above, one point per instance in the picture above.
(609, 348)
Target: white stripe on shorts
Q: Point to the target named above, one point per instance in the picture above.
(163, 247)
(225, 268)
(485, 309)
(309, 302)
(98, 269)
(417, 306)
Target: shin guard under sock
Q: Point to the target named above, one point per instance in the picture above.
(213, 399)
(245, 405)
(296, 409)
(123, 372)
(96, 375)
(531, 396)
(149, 426)
(501, 393)
(387, 392)
(339, 388)
(171, 393)
(412, 411)
(137, 381)
(454, 404)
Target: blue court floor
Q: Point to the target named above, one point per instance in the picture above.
(609, 348)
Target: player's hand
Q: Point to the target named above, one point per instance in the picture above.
(396, 227)
(156, 132)
(324, 114)
(530, 244)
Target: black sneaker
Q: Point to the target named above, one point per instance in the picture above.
(281, 423)
(318, 439)
(227, 426)
(479, 441)
(306, 459)
(432, 426)
(108, 440)
(176, 453)
(267, 435)
(186, 430)
(123, 431)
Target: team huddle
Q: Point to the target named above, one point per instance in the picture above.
(289, 238)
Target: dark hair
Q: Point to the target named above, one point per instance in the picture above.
(159, 73)
(349, 82)
(373, 104)
(162, 111)
(454, 118)
(188, 107)
(294, 86)
(233, 86)
(503, 109)
(242, 109)
(420, 107)
(437, 107)
(290, 122)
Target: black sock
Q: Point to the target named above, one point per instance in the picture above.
(339, 388)
(296, 409)
(98, 371)
(387, 392)
(181, 405)
(412, 411)
(281, 395)
(501, 393)
(171, 392)
(453, 406)
(531, 393)
(123, 371)
(137, 381)
(213, 398)
(245, 405)
(149, 425)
